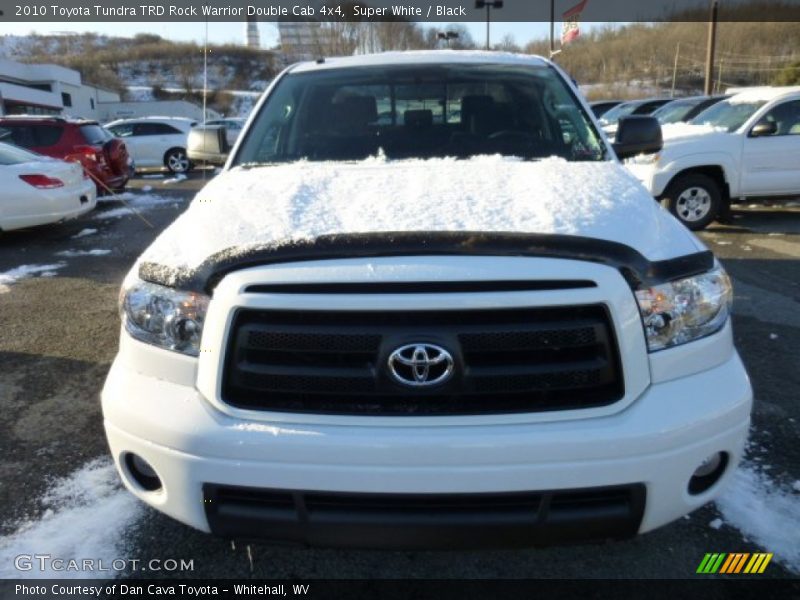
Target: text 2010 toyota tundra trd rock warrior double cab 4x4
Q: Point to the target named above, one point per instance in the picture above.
(424, 305)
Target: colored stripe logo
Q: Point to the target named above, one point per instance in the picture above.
(734, 563)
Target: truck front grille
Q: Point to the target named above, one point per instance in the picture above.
(506, 361)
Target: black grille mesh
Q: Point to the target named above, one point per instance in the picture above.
(506, 360)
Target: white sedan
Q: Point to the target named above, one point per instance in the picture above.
(36, 190)
(156, 142)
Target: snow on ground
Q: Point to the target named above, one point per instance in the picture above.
(84, 233)
(176, 179)
(764, 512)
(25, 271)
(85, 516)
(273, 206)
(74, 253)
(128, 200)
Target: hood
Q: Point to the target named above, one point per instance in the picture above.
(248, 209)
(673, 132)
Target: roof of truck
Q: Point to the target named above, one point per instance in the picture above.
(421, 57)
(765, 93)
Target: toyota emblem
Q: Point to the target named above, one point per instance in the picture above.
(421, 365)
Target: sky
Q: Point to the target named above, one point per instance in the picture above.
(234, 31)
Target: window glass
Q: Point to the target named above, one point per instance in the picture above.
(11, 155)
(30, 135)
(421, 111)
(122, 130)
(728, 114)
(154, 129)
(786, 117)
(94, 134)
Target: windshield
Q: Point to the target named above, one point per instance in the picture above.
(421, 111)
(675, 112)
(616, 113)
(728, 114)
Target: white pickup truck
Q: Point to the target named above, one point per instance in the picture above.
(424, 305)
(747, 146)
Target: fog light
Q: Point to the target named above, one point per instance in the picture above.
(708, 473)
(142, 473)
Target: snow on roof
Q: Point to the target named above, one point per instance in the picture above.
(275, 206)
(417, 57)
(762, 94)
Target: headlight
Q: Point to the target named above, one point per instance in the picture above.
(685, 310)
(643, 159)
(163, 316)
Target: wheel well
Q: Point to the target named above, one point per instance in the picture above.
(170, 150)
(715, 172)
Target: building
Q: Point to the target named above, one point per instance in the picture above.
(48, 90)
(252, 38)
(111, 111)
(302, 40)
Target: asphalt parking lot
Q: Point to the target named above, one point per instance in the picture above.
(58, 335)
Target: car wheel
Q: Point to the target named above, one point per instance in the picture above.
(177, 161)
(694, 199)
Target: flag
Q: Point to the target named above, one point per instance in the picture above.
(570, 29)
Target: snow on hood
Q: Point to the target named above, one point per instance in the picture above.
(674, 131)
(272, 206)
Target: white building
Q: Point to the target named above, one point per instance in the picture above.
(111, 111)
(48, 89)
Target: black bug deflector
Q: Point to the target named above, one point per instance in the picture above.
(427, 521)
(637, 270)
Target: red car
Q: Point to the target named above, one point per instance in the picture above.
(104, 157)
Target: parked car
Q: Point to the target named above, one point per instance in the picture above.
(351, 338)
(36, 189)
(233, 127)
(156, 142)
(601, 107)
(684, 110)
(104, 157)
(610, 119)
(746, 146)
(208, 144)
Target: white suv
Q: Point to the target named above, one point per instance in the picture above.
(746, 146)
(424, 305)
(156, 141)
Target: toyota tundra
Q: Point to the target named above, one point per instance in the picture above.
(425, 306)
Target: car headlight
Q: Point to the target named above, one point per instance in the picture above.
(643, 159)
(684, 310)
(163, 316)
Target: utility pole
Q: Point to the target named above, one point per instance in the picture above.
(488, 4)
(712, 41)
(675, 69)
(552, 28)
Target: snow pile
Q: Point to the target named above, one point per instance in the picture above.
(277, 205)
(74, 253)
(84, 233)
(25, 271)
(86, 515)
(764, 512)
(178, 177)
(139, 202)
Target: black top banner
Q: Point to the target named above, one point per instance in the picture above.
(447, 11)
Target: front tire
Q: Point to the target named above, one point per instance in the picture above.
(693, 199)
(177, 161)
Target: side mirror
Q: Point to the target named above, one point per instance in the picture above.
(208, 144)
(638, 135)
(764, 128)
